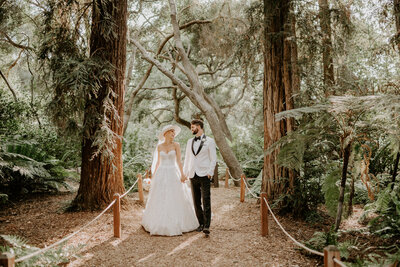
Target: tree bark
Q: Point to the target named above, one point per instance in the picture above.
(325, 23)
(101, 174)
(9, 86)
(395, 168)
(277, 93)
(396, 7)
(346, 157)
(294, 56)
(351, 197)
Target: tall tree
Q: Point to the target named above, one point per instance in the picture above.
(396, 9)
(326, 31)
(278, 77)
(101, 174)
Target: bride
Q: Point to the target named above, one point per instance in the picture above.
(169, 210)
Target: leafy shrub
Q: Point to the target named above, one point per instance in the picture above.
(387, 206)
(25, 168)
(54, 257)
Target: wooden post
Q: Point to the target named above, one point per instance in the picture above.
(216, 180)
(242, 187)
(147, 174)
(264, 215)
(331, 252)
(140, 188)
(117, 215)
(227, 178)
(7, 259)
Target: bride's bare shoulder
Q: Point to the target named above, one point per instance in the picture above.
(176, 144)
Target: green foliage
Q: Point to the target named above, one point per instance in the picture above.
(54, 257)
(320, 240)
(387, 207)
(11, 114)
(25, 168)
(375, 260)
(138, 147)
(3, 198)
(331, 190)
(255, 188)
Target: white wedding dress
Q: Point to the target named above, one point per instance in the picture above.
(169, 209)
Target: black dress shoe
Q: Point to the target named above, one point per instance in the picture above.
(200, 228)
(206, 231)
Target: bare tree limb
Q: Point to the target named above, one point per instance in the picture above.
(177, 103)
(10, 41)
(9, 86)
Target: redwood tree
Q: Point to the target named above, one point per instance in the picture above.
(326, 31)
(396, 9)
(102, 174)
(278, 82)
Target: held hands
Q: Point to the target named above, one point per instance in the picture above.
(183, 178)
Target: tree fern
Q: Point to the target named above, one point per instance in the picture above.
(331, 191)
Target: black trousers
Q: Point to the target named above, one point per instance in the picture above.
(201, 195)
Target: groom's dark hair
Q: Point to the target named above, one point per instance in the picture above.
(198, 122)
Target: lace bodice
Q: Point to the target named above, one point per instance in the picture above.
(167, 159)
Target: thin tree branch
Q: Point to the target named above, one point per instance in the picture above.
(9, 86)
(9, 40)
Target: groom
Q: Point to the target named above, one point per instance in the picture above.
(200, 160)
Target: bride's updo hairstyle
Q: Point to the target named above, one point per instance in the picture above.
(198, 122)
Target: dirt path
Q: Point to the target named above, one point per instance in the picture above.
(234, 240)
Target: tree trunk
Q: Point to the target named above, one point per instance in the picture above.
(325, 23)
(346, 157)
(396, 7)
(351, 197)
(395, 168)
(277, 92)
(294, 56)
(102, 173)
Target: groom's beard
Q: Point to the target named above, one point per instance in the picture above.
(195, 132)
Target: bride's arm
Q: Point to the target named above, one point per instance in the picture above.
(158, 160)
(178, 159)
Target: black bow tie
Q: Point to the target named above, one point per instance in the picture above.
(197, 138)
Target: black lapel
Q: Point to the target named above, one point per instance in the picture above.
(193, 147)
(201, 144)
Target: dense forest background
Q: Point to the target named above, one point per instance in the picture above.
(304, 95)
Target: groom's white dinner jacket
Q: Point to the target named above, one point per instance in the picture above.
(204, 162)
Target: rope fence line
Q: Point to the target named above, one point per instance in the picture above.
(10, 260)
(65, 238)
(234, 179)
(339, 262)
(331, 254)
(294, 240)
(124, 194)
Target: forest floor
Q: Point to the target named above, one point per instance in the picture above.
(235, 238)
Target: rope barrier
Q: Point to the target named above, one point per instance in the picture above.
(248, 189)
(65, 238)
(237, 180)
(339, 262)
(124, 194)
(294, 240)
(76, 232)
